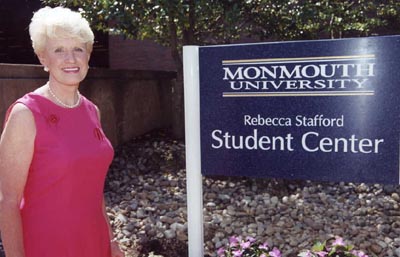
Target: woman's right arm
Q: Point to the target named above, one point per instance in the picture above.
(16, 151)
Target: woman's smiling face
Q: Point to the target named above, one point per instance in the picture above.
(67, 60)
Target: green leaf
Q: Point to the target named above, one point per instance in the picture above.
(318, 247)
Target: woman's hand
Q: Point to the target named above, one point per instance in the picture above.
(115, 250)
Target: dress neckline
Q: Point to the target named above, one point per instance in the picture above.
(55, 104)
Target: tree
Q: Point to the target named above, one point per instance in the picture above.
(317, 19)
(175, 23)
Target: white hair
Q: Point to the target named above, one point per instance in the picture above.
(58, 22)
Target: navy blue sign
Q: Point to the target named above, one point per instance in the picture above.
(320, 110)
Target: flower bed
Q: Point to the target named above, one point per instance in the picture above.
(249, 247)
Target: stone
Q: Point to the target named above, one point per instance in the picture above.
(169, 234)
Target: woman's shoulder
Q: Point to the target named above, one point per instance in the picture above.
(87, 101)
(20, 115)
(29, 99)
(20, 109)
(90, 105)
(25, 106)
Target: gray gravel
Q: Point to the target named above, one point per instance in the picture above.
(146, 197)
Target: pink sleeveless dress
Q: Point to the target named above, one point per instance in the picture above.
(61, 208)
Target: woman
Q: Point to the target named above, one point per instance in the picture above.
(53, 153)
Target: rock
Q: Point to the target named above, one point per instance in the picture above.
(169, 233)
(397, 252)
(274, 201)
(178, 227)
(140, 213)
(121, 218)
(166, 219)
(375, 248)
(396, 197)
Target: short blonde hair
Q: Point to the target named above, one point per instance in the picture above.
(58, 22)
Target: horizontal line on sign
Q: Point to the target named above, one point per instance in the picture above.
(298, 59)
(279, 94)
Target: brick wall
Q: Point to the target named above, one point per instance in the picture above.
(138, 55)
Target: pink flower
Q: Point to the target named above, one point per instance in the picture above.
(221, 252)
(237, 253)
(359, 253)
(234, 241)
(245, 245)
(322, 253)
(264, 246)
(240, 247)
(250, 239)
(275, 253)
(338, 241)
(307, 253)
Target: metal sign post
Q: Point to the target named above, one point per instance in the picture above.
(194, 182)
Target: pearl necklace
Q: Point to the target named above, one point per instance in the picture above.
(61, 102)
